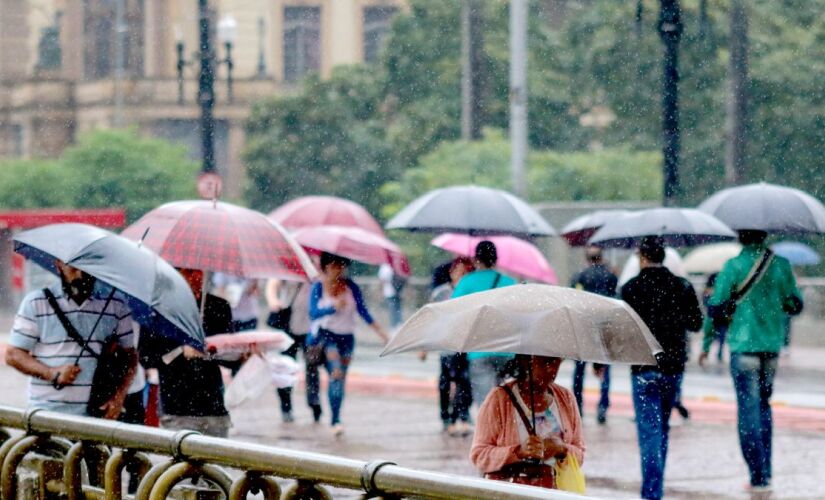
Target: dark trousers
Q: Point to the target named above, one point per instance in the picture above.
(312, 380)
(578, 387)
(455, 406)
(134, 412)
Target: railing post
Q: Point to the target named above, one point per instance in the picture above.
(150, 478)
(254, 482)
(96, 457)
(112, 483)
(8, 479)
(186, 470)
(306, 490)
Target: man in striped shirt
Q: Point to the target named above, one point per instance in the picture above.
(61, 370)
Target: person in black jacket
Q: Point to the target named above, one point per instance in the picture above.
(670, 308)
(191, 387)
(595, 278)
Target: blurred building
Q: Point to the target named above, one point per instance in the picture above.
(64, 69)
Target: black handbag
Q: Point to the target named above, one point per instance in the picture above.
(279, 320)
(112, 361)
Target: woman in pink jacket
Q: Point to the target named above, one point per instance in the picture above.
(503, 438)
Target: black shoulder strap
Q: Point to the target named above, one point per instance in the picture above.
(519, 409)
(498, 278)
(70, 329)
(755, 274)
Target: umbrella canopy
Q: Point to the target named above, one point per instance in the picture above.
(221, 237)
(159, 297)
(309, 211)
(709, 259)
(798, 254)
(356, 244)
(514, 254)
(767, 207)
(471, 210)
(678, 227)
(632, 266)
(541, 320)
(579, 231)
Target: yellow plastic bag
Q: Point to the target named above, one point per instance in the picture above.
(569, 476)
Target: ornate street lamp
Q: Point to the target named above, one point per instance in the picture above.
(227, 31)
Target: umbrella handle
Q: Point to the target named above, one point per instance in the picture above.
(532, 393)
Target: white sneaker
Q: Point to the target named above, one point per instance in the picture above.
(337, 430)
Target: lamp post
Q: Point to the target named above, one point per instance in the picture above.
(670, 31)
(227, 30)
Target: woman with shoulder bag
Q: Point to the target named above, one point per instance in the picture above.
(334, 303)
(529, 429)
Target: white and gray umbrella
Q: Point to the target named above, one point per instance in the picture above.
(678, 227)
(541, 320)
(578, 231)
(159, 297)
(767, 207)
(473, 210)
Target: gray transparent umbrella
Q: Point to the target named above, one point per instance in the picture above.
(473, 210)
(767, 207)
(678, 227)
(541, 320)
(159, 297)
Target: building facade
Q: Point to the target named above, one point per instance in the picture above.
(68, 66)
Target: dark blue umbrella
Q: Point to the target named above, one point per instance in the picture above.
(798, 254)
(160, 299)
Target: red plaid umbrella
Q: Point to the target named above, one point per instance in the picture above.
(356, 244)
(309, 211)
(221, 237)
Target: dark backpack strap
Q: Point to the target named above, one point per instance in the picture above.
(495, 281)
(519, 409)
(70, 329)
(754, 276)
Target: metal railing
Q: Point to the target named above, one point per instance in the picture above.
(61, 441)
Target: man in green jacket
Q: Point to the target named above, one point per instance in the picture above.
(755, 336)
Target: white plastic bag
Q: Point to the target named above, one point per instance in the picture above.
(283, 370)
(251, 381)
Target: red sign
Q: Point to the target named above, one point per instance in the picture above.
(210, 185)
(27, 219)
(18, 272)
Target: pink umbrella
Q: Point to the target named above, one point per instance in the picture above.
(514, 255)
(309, 211)
(354, 243)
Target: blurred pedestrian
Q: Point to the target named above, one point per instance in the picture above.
(289, 312)
(392, 284)
(455, 391)
(595, 278)
(669, 307)
(754, 294)
(191, 386)
(335, 302)
(487, 369)
(525, 426)
(242, 295)
(718, 331)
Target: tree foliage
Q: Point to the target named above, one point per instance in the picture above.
(106, 168)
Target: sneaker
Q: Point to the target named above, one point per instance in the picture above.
(337, 430)
(683, 412)
(465, 428)
(601, 417)
(316, 413)
(287, 417)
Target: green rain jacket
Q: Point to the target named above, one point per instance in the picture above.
(759, 321)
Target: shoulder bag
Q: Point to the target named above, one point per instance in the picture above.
(722, 314)
(112, 361)
(529, 472)
(279, 320)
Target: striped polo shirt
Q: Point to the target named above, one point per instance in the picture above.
(38, 330)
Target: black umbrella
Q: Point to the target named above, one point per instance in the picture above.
(159, 297)
(678, 227)
(767, 207)
(471, 210)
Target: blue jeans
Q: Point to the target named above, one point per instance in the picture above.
(653, 395)
(578, 387)
(338, 350)
(394, 307)
(753, 381)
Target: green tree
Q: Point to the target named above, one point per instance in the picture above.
(112, 168)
